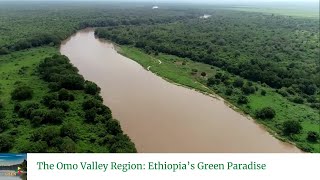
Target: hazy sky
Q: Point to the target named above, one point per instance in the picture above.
(186, 0)
(239, 2)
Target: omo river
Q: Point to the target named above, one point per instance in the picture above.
(160, 116)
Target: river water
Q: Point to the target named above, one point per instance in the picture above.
(160, 116)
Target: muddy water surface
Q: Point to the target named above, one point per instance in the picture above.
(160, 116)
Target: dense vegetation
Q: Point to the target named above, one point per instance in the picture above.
(278, 51)
(31, 24)
(52, 108)
(67, 115)
(267, 65)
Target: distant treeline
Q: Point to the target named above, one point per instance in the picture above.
(53, 36)
(278, 51)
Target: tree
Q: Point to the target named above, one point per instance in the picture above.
(122, 144)
(35, 147)
(213, 81)
(263, 92)
(203, 74)
(67, 145)
(91, 88)
(291, 127)
(229, 91)
(63, 95)
(54, 116)
(6, 143)
(72, 82)
(69, 129)
(310, 89)
(238, 83)
(27, 109)
(243, 100)
(313, 136)
(90, 115)
(298, 100)
(48, 98)
(266, 113)
(113, 127)
(22, 93)
(89, 104)
(248, 89)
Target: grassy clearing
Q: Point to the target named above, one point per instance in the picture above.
(20, 66)
(179, 70)
(286, 12)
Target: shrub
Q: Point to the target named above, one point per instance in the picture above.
(90, 103)
(263, 92)
(194, 70)
(91, 88)
(54, 86)
(266, 113)
(35, 147)
(59, 105)
(54, 116)
(51, 135)
(22, 93)
(37, 116)
(213, 81)
(48, 134)
(67, 145)
(203, 74)
(229, 92)
(313, 136)
(69, 129)
(298, 100)
(238, 83)
(248, 89)
(27, 110)
(113, 127)
(122, 144)
(243, 100)
(90, 115)
(63, 95)
(47, 99)
(291, 127)
(72, 82)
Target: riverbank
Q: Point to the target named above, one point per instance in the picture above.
(188, 73)
(46, 113)
(160, 116)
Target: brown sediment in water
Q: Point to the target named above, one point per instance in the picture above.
(160, 116)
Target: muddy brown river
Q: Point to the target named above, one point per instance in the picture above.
(160, 116)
